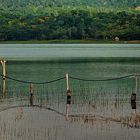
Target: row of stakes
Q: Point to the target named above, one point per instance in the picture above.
(68, 93)
(3, 63)
(68, 102)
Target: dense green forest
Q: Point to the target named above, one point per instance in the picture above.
(69, 19)
(59, 3)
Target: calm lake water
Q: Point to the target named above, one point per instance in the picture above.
(99, 110)
(40, 51)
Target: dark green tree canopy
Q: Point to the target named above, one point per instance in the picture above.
(44, 3)
(69, 19)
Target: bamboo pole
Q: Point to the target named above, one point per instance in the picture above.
(3, 63)
(68, 96)
(67, 81)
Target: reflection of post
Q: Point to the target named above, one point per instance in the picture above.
(31, 94)
(3, 63)
(133, 106)
(133, 95)
(133, 102)
(68, 97)
(134, 111)
(133, 119)
(3, 88)
(136, 86)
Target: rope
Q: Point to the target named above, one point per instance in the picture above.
(28, 82)
(72, 77)
(97, 80)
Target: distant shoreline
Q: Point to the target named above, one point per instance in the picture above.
(71, 42)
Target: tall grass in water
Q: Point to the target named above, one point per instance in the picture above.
(95, 106)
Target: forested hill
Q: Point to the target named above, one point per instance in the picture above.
(69, 19)
(60, 3)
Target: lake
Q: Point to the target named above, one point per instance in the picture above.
(47, 51)
(98, 110)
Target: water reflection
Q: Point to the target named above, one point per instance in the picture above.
(43, 124)
(97, 110)
(19, 113)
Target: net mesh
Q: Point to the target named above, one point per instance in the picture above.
(106, 98)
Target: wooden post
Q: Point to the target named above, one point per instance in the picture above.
(31, 94)
(67, 81)
(3, 63)
(68, 96)
(134, 95)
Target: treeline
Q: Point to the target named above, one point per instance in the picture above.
(60, 3)
(70, 23)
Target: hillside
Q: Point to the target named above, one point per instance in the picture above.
(69, 19)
